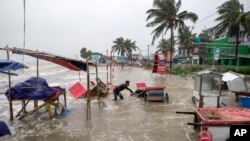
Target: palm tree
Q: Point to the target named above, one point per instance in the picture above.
(130, 47)
(166, 16)
(205, 37)
(119, 46)
(232, 18)
(164, 47)
(185, 38)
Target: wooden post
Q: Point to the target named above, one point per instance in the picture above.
(218, 100)
(110, 75)
(96, 74)
(37, 65)
(88, 94)
(201, 96)
(10, 99)
(37, 75)
(107, 69)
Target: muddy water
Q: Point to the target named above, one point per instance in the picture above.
(130, 119)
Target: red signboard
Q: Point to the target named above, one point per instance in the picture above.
(161, 69)
(77, 90)
(159, 65)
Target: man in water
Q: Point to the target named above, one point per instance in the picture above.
(120, 88)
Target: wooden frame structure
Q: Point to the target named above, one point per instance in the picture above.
(49, 101)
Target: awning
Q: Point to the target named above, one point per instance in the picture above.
(230, 76)
(72, 64)
(9, 65)
(235, 82)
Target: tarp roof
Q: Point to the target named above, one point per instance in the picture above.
(69, 63)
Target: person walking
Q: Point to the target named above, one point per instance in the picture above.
(120, 88)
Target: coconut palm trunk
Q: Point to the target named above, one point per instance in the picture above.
(172, 46)
(237, 45)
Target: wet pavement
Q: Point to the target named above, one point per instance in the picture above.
(130, 119)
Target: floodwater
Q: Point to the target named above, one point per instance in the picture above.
(130, 119)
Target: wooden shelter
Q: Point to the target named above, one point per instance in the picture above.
(72, 64)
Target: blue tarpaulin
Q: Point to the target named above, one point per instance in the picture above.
(35, 88)
(4, 130)
(9, 65)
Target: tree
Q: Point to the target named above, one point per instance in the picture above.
(166, 16)
(164, 47)
(130, 47)
(122, 46)
(205, 37)
(231, 18)
(85, 54)
(119, 46)
(185, 38)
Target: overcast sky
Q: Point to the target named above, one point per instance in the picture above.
(65, 26)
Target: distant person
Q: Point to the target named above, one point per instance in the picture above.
(120, 88)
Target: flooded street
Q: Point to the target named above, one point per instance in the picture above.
(129, 119)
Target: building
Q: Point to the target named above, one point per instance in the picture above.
(193, 54)
(226, 53)
(219, 52)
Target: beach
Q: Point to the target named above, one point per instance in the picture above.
(129, 119)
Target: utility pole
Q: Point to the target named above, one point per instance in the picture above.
(148, 54)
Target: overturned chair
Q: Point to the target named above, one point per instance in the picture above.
(36, 89)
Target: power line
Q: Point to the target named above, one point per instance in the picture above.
(205, 18)
(195, 25)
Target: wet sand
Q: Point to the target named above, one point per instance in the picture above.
(130, 119)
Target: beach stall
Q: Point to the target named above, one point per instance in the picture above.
(213, 124)
(72, 64)
(207, 89)
(33, 89)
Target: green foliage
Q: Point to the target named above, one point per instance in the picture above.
(185, 36)
(87, 53)
(84, 53)
(163, 46)
(241, 70)
(166, 15)
(184, 70)
(232, 18)
(205, 37)
(124, 46)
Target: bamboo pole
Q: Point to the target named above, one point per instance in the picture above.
(10, 99)
(107, 68)
(37, 75)
(96, 72)
(37, 65)
(110, 75)
(88, 94)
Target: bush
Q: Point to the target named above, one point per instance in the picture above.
(184, 70)
(241, 69)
